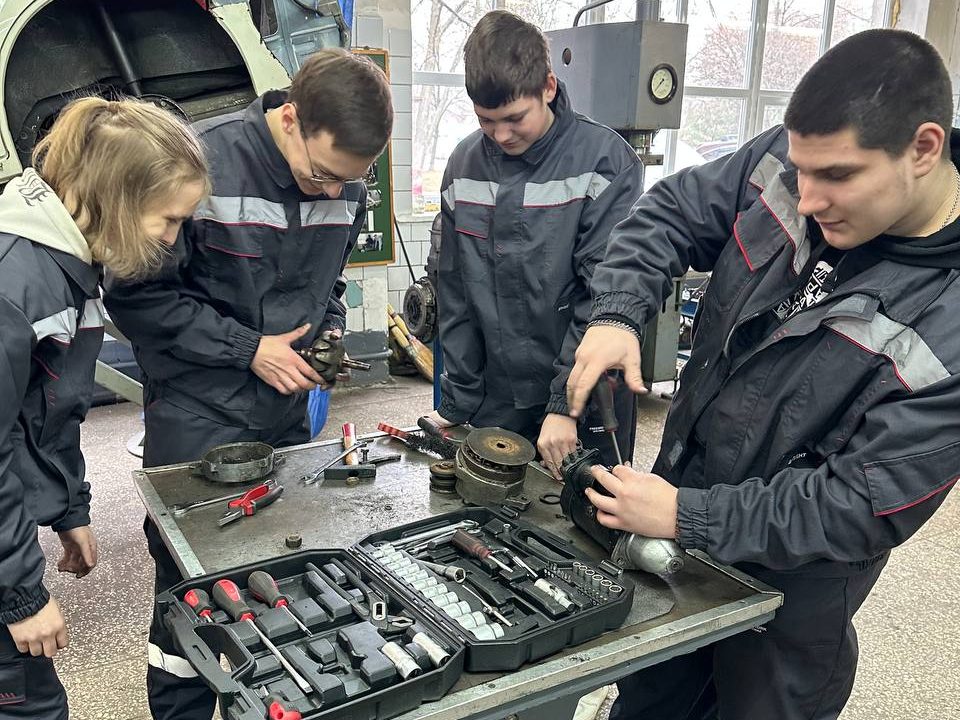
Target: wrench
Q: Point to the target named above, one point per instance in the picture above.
(181, 509)
(435, 532)
(312, 477)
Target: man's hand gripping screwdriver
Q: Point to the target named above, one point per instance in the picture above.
(226, 594)
(603, 397)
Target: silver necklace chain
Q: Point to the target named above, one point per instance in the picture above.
(956, 197)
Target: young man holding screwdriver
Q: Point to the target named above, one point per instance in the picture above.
(528, 204)
(264, 253)
(817, 425)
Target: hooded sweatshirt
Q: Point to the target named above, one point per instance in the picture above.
(51, 328)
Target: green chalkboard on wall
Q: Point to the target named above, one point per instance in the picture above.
(375, 246)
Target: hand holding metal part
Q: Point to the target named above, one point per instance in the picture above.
(329, 358)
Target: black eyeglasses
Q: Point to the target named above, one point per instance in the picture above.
(321, 178)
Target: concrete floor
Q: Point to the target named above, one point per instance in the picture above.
(909, 634)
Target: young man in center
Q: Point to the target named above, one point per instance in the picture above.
(528, 204)
(257, 273)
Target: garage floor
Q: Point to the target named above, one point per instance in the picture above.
(909, 628)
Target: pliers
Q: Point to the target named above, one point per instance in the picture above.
(250, 502)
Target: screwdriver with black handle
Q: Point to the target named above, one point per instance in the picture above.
(603, 398)
(264, 588)
(226, 594)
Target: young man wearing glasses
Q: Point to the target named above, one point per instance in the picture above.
(255, 273)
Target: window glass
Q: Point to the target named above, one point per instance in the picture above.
(709, 129)
(792, 43)
(717, 41)
(442, 117)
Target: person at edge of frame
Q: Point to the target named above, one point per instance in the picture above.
(528, 202)
(110, 185)
(817, 424)
(258, 273)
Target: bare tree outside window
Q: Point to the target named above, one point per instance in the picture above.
(719, 101)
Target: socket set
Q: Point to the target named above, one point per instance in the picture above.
(512, 592)
(311, 635)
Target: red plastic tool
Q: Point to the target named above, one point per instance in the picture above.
(250, 502)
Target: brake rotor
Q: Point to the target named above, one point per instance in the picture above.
(491, 464)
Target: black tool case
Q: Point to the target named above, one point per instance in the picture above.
(568, 608)
(540, 627)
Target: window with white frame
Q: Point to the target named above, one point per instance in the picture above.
(744, 58)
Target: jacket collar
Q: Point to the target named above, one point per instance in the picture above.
(86, 276)
(257, 131)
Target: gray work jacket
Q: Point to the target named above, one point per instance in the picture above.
(824, 440)
(520, 239)
(51, 329)
(258, 258)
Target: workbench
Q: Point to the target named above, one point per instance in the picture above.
(709, 601)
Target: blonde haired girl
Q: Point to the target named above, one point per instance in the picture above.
(112, 183)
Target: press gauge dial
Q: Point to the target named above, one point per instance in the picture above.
(663, 83)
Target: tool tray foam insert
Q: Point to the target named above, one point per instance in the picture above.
(349, 675)
(572, 609)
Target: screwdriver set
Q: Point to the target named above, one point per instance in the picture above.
(375, 630)
(312, 635)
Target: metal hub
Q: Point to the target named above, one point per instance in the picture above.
(491, 464)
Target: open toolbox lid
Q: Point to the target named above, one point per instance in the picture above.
(347, 675)
(571, 600)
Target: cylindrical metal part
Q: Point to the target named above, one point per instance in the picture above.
(451, 572)
(437, 654)
(616, 589)
(421, 585)
(405, 665)
(445, 599)
(653, 555)
(433, 591)
(469, 622)
(483, 632)
(556, 593)
(457, 609)
(413, 575)
(595, 581)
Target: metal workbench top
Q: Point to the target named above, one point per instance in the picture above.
(710, 602)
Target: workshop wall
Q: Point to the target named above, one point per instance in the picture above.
(386, 24)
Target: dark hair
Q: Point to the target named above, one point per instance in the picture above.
(883, 84)
(346, 95)
(505, 58)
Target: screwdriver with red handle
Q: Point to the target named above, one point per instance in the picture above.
(265, 589)
(472, 546)
(226, 594)
(199, 601)
(276, 710)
